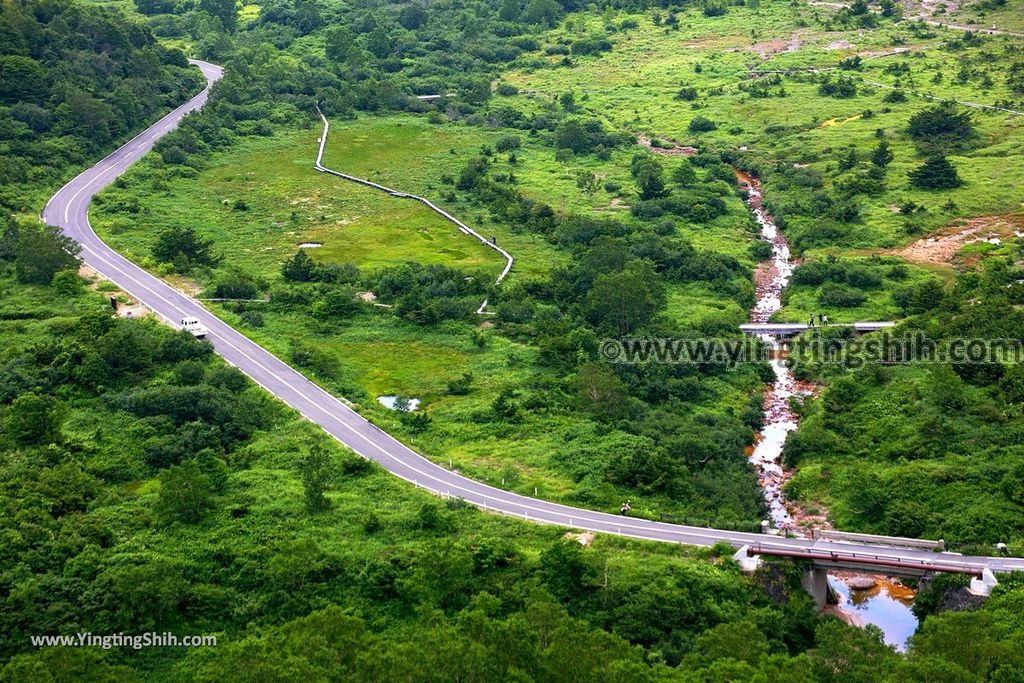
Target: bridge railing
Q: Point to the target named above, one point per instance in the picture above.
(866, 559)
(991, 550)
(895, 541)
(750, 527)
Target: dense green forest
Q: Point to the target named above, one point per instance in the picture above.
(147, 486)
(74, 80)
(936, 444)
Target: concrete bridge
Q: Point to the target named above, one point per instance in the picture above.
(844, 551)
(793, 329)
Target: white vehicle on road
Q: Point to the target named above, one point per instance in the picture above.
(194, 326)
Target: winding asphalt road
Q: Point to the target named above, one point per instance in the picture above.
(68, 208)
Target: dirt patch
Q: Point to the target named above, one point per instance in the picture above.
(935, 6)
(127, 306)
(770, 48)
(674, 151)
(877, 54)
(585, 539)
(839, 45)
(91, 276)
(942, 248)
(185, 285)
(133, 309)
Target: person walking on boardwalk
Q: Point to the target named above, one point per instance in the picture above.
(810, 321)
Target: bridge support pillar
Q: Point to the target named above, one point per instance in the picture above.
(748, 563)
(815, 582)
(985, 584)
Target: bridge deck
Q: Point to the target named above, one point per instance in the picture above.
(789, 329)
(859, 560)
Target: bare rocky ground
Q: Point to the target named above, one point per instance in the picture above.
(675, 150)
(127, 305)
(943, 247)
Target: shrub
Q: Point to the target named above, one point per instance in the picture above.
(935, 174)
(184, 248)
(701, 124)
(941, 127)
(67, 283)
(851, 63)
(583, 135)
(760, 250)
(590, 46)
(843, 87)
(461, 385)
(508, 143)
(687, 92)
(713, 8)
(840, 296)
(237, 284)
(252, 318)
(895, 96)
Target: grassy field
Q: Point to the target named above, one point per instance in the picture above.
(1007, 15)
(261, 200)
(376, 353)
(634, 86)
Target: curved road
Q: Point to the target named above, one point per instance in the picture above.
(68, 208)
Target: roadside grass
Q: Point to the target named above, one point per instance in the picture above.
(377, 353)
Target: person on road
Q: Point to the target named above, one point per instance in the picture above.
(810, 321)
(824, 320)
